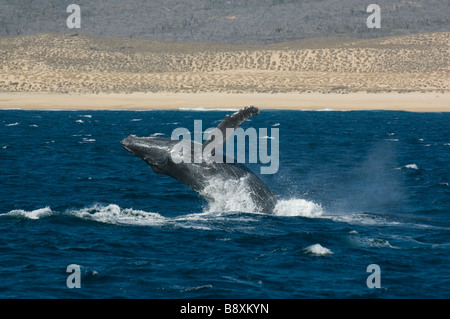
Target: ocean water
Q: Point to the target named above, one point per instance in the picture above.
(354, 188)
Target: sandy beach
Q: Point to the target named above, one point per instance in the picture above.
(414, 102)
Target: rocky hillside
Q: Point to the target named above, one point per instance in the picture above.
(225, 21)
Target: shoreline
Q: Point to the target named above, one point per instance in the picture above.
(412, 102)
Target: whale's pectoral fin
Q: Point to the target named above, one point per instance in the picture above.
(233, 122)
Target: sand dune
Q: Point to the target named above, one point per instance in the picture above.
(81, 64)
(85, 64)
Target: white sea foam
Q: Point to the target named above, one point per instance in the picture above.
(113, 214)
(362, 219)
(33, 214)
(318, 250)
(229, 195)
(326, 110)
(87, 140)
(203, 109)
(12, 124)
(79, 121)
(409, 166)
(371, 242)
(298, 207)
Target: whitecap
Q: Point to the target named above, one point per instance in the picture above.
(409, 166)
(79, 121)
(362, 219)
(372, 242)
(136, 120)
(87, 116)
(203, 109)
(34, 214)
(12, 124)
(318, 250)
(326, 110)
(157, 134)
(113, 214)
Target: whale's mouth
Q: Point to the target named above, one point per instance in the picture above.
(135, 144)
(154, 151)
(127, 143)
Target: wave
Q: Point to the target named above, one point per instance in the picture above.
(219, 192)
(34, 214)
(371, 242)
(318, 250)
(299, 208)
(244, 211)
(203, 109)
(113, 214)
(87, 140)
(323, 110)
(409, 166)
(240, 212)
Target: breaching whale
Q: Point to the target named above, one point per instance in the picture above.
(202, 176)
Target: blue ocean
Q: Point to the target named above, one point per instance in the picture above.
(363, 209)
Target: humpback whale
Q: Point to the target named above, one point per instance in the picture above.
(201, 176)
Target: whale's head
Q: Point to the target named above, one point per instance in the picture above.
(154, 151)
